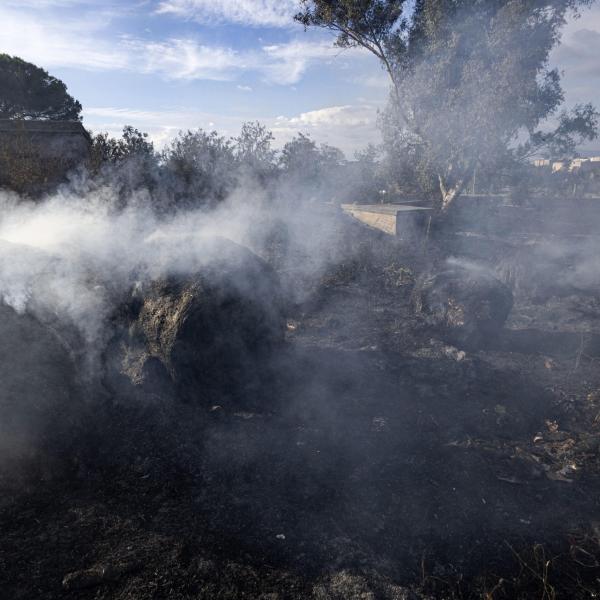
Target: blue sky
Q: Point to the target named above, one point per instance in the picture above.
(166, 65)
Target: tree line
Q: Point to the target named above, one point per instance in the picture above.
(201, 168)
(473, 97)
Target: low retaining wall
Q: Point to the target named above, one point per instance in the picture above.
(402, 220)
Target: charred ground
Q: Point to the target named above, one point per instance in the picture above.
(374, 456)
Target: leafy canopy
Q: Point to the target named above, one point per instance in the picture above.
(253, 149)
(376, 25)
(29, 92)
(471, 80)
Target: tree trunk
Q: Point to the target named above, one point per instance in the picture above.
(449, 194)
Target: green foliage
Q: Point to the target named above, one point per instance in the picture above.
(574, 127)
(313, 172)
(368, 183)
(201, 167)
(253, 149)
(133, 143)
(470, 79)
(376, 25)
(129, 163)
(29, 92)
(302, 157)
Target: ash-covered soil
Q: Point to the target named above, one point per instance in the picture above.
(371, 459)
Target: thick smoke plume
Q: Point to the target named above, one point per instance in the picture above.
(73, 255)
(73, 260)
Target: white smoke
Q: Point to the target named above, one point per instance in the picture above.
(73, 256)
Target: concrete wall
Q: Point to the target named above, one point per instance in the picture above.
(401, 220)
(383, 222)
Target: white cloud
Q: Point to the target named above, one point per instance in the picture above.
(82, 43)
(188, 59)
(271, 13)
(349, 127)
(343, 116)
(125, 115)
(42, 4)
(161, 125)
(87, 43)
(65, 42)
(185, 59)
(173, 117)
(287, 63)
(244, 88)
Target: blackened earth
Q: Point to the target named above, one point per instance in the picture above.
(371, 459)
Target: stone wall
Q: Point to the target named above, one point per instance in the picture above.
(37, 155)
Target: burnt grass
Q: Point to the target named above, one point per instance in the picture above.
(371, 459)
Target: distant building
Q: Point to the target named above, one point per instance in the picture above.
(37, 155)
(569, 164)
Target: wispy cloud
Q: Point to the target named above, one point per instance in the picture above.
(184, 59)
(42, 4)
(127, 115)
(269, 13)
(162, 125)
(287, 63)
(87, 42)
(65, 42)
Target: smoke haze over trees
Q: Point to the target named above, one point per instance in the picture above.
(200, 168)
(471, 85)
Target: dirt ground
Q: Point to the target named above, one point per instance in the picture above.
(375, 460)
